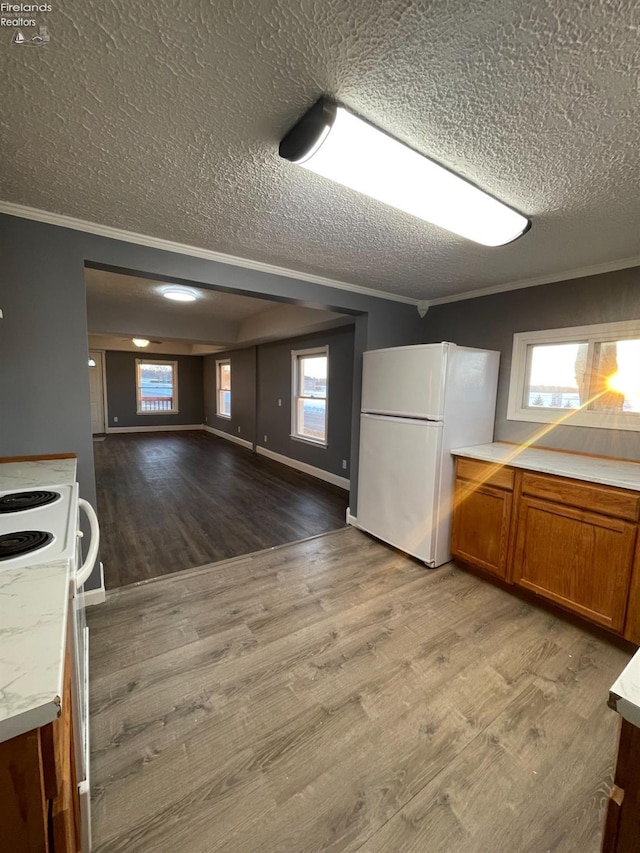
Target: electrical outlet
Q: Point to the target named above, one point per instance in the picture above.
(344, 464)
(280, 403)
(205, 419)
(238, 429)
(115, 419)
(265, 439)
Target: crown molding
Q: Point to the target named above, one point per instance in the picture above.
(60, 219)
(567, 275)
(71, 222)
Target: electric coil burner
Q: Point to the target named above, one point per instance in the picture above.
(18, 501)
(38, 524)
(23, 542)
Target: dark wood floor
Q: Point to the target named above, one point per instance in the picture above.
(333, 695)
(169, 501)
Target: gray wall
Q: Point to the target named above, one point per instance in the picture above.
(44, 379)
(121, 390)
(274, 383)
(491, 321)
(243, 393)
(260, 376)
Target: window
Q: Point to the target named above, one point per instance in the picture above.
(309, 397)
(157, 387)
(584, 376)
(223, 388)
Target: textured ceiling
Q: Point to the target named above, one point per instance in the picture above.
(129, 305)
(165, 119)
(144, 296)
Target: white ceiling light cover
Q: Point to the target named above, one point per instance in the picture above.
(179, 294)
(334, 143)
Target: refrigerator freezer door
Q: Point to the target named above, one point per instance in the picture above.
(398, 474)
(405, 381)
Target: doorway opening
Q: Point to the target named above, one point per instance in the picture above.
(221, 472)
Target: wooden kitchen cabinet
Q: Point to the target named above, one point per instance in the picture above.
(39, 809)
(482, 516)
(622, 822)
(571, 542)
(580, 560)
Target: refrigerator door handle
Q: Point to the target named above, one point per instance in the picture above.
(397, 419)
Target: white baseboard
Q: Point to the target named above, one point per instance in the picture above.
(327, 476)
(351, 519)
(167, 428)
(90, 597)
(229, 436)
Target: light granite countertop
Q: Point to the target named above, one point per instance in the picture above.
(625, 693)
(34, 603)
(34, 608)
(37, 474)
(593, 469)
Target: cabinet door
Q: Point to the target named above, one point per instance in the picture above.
(38, 791)
(623, 813)
(580, 560)
(480, 532)
(23, 802)
(65, 814)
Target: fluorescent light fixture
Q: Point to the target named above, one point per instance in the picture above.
(140, 342)
(334, 143)
(179, 294)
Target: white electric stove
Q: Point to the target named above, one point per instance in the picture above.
(38, 525)
(41, 526)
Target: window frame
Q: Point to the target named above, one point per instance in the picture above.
(219, 413)
(591, 335)
(296, 357)
(174, 410)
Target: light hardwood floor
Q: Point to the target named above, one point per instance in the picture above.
(334, 695)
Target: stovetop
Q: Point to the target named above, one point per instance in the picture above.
(37, 525)
(17, 501)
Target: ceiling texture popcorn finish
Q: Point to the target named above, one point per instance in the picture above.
(165, 120)
(130, 305)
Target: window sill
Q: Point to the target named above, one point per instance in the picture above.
(163, 412)
(223, 417)
(316, 442)
(562, 417)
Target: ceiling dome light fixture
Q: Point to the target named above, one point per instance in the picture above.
(141, 342)
(334, 143)
(179, 294)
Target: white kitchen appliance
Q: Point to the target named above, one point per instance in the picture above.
(43, 525)
(419, 402)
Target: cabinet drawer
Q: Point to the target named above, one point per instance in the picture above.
(493, 474)
(604, 499)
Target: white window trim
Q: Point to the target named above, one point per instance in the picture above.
(219, 414)
(173, 411)
(517, 411)
(295, 355)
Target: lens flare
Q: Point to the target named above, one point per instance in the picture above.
(622, 383)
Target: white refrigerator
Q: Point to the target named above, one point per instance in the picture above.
(418, 403)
